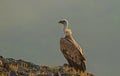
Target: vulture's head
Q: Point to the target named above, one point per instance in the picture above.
(64, 22)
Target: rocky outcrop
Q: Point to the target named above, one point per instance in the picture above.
(12, 67)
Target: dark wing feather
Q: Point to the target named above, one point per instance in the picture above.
(72, 53)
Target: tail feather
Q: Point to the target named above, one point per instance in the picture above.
(80, 67)
(83, 66)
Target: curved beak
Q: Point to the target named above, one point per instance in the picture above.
(60, 21)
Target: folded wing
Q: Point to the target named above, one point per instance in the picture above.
(73, 53)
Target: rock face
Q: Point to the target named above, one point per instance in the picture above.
(12, 67)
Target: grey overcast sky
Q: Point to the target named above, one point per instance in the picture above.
(29, 31)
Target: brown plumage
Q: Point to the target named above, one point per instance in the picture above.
(71, 49)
